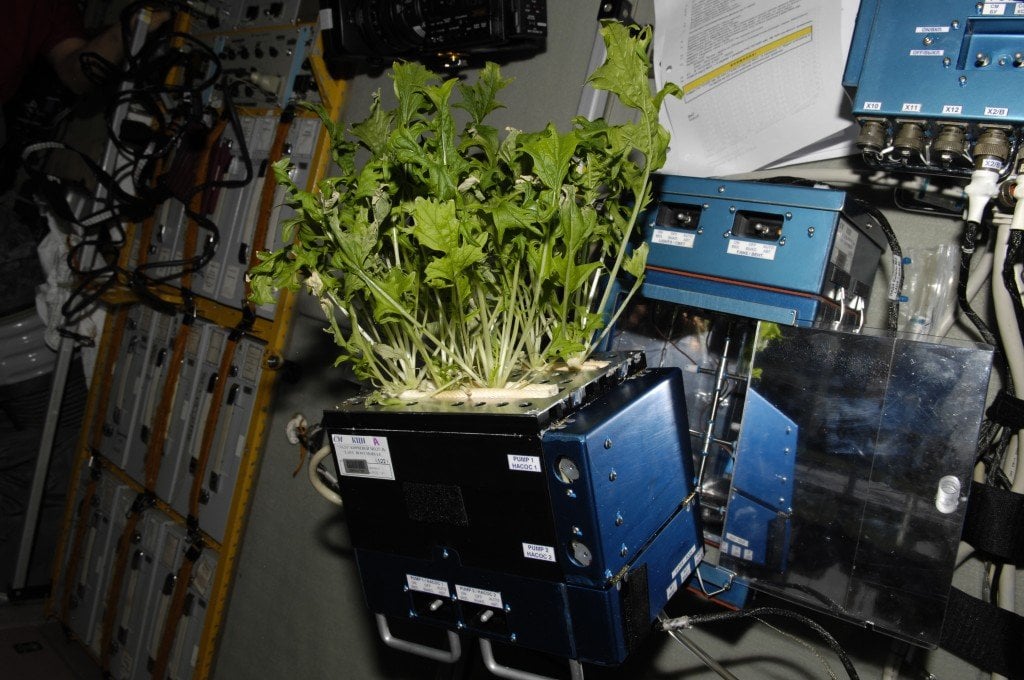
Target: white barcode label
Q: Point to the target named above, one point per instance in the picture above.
(363, 456)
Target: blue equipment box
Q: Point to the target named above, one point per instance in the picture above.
(935, 84)
(794, 255)
(561, 524)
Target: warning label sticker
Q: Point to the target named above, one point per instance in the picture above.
(363, 456)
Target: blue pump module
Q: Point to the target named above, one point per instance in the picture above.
(560, 524)
(794, 255)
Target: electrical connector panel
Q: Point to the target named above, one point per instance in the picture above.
(794, 255)
(935, 84)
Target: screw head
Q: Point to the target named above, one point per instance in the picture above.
(623, 551)
(810, 231)
(612, 476)
(607, 443)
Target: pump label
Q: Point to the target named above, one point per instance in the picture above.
(932, 29)
(911, 107)
(363, 456)
(927, 53)
(872, 106)
(544, 553)
(954, 109)
(993, 8)
(998, 111)
(760, 251)
(673, 238)
(523, 463)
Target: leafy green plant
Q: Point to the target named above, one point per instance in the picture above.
(464, 256)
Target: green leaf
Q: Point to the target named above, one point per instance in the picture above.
(434, 224)
(480, 99)
(551, 154)
(375, 130)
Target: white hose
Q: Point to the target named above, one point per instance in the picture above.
(314, 477)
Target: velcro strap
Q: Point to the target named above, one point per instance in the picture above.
(994, 523)
(1007, 410)
(983, 635)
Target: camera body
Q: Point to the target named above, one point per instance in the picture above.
(407, 29)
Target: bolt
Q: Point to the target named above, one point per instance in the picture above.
(782, 241)
(928, 40)
(954, 24)
(789, 216)
(612, 476)
(570, 493)
(508, 607)
(405, 589)
(623, 551)
(607, 443)
(618, 519)
(576, 531)
(412, 614)
(962, 80)
(946, 61)
(512, 637)
(727, 234)
(810, 231)
(732, 208)
(700, 230)
(460, 625)
(721, 190)
(444, 553)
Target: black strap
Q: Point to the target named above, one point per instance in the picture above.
(1007, 410)
(983, 635)
(994, 523)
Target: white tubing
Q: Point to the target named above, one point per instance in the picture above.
(315, 480)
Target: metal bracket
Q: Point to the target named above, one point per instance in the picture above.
(450, 655)
(575, 667)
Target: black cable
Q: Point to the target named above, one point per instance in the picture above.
(757, 612)
(967, 246)
(896, 281)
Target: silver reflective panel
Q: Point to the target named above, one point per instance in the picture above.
(851, 473)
